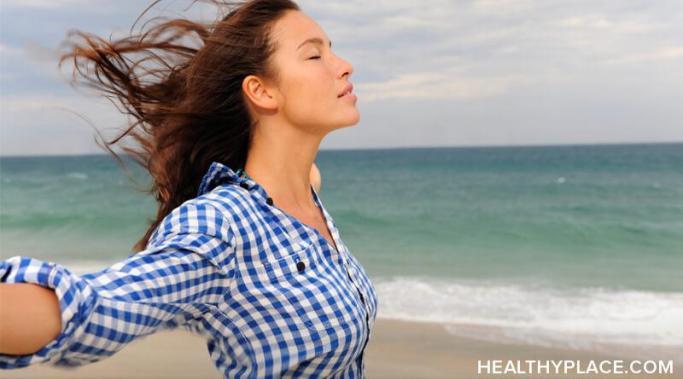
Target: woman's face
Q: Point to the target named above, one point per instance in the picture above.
(311, 77)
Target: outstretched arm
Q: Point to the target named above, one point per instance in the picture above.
(177, 278)
(29, 317)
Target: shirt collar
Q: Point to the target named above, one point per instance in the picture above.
(218, 174)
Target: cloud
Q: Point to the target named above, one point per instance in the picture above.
(45, 4)
(497, 71)
(55, 124)
(7, 50)
(659, 54)
(434, 85)
(484, 49)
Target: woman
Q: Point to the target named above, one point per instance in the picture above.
(243, 251)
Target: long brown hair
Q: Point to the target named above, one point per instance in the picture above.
(190, 110)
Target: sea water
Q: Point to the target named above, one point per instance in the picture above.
(555, 245)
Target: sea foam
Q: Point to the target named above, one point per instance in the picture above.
(563, 317)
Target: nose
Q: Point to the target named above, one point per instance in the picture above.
(346, 67)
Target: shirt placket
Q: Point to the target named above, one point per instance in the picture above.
(367, 314)
(343, 253)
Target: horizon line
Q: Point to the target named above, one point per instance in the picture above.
(575, 144)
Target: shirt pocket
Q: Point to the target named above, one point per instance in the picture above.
(298, 262)
(298, 296)
(314, 290)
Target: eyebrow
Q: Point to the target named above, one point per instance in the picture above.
(313, 40)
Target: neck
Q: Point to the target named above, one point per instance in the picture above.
(281, 163)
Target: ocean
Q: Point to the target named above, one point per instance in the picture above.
(572, 246)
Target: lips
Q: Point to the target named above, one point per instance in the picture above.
(347, 89)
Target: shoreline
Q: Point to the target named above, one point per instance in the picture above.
(397, 349)
(434, 353)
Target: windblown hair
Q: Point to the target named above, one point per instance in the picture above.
(189, 110)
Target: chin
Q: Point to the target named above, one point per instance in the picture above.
(354, 120)
(346, 122)
(350, 123)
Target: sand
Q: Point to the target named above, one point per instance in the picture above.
(398, 349)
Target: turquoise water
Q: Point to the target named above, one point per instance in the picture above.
(562, 239)
(577, 216)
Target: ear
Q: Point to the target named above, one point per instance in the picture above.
(258, 93)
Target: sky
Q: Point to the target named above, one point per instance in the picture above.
(426, 73)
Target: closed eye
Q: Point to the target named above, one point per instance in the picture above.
(316, 57)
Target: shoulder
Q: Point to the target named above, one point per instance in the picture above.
(227, 195)
(235, 203)
(199, 215)
(213, 213)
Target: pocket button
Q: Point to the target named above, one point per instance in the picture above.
(300, 266)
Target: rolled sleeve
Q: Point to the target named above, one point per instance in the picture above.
(173, 282)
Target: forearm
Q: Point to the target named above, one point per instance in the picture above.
(92, 316)
(29, 318)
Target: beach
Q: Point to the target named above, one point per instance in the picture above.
(398, 349)
(492, 253)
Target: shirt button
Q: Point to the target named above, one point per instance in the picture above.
(244, 185)
(269, 201)
(300, 266)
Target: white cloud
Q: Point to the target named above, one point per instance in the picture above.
(499, 70)
(660, 54)
(483, 49)
(45, 4)
(7, 50)
(54, 124)
(617, 24)
(433, 85)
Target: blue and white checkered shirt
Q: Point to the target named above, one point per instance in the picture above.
(270, 294)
